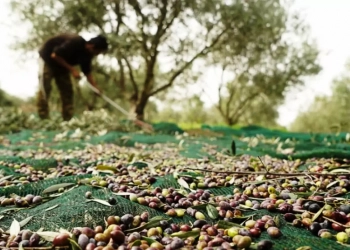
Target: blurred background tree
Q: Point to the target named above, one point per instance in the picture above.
(160, 46)
(328, 113)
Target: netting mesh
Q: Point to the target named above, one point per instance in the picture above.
(43, 152)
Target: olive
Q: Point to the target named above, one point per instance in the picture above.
(127, 219)
(342, 237)
(232, 231)
(88, 195)
(83, 241)
(326, 235)
(289, 217)
(344, 208)
(255, 232)
(37, 200)
(112, 201)
(337, 227)
(117, 236)
(274, 232)
(314, 208)
(35, 239)
(61, 240)
(244, 232)
(168, 231)
(314, 228)
(133, 237)
(164, 224)
(244, 242)
(199, 223)
(265, 245)
(177, 243)
(25, 243)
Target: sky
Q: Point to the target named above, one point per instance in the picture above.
(329, 21)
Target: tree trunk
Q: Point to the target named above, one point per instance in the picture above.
(230, 121)
(140, 107)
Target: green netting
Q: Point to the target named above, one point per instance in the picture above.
(304, 145)
(71, 209)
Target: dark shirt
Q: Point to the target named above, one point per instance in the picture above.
(71, 48)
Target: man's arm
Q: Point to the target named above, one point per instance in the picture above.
(66, 48)
(91, 80)
(62, 62)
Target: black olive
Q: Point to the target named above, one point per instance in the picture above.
(164, 224)
(112, 201)
(344, 208)
(314, 208)
(326, 224)
(314, 228)
(307, 205)
(265, 245)
(199, 223)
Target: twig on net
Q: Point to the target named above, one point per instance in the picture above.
(270, 173)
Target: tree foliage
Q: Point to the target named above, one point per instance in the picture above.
(156, 43)
(328, 113)
(264, 60)
(7, 100)
(140, 32)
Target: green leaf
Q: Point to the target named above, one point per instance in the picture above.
(20, 247)
(50, 208)
(48, 236)
(212, 212)
(74, 244)
(226, 224)
(158, 218)
(57, 187)
(246, 207)
(185, 235)
(136, 243)
(293, 196)
(106, 169)
(200, 206)
(103, 202)
(276, 219)
(149, 240)
(316, 215)
(183, 183)
(152, 223)
(25, 221)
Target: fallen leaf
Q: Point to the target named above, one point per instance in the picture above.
(100, 201)
(316, 215)
(212, 212)
(107, 169)
(25, 221)
(50, 208)
(48, 236)
(57, 187)
(183, 183)
(15, 228)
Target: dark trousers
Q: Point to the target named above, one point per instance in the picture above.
(65, 88)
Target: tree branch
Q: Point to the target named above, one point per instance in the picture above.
(122, 75)
(135, 4)
(131, 74)
(235, 116)
(119, 17)
(203, 52)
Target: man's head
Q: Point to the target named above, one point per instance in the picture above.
(97, 45)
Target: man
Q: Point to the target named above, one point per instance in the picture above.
(59, 55)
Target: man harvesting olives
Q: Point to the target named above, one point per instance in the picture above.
(58, 57)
